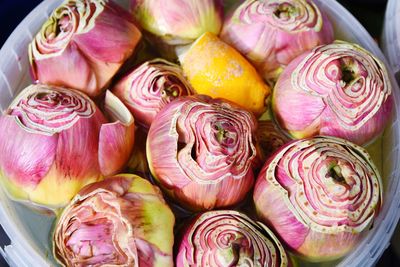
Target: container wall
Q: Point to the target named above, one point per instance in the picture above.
(30, 233)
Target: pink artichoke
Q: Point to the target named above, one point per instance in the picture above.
(83, 44)
(147, 89)
(55, 140)
(338, 90)
(229, 238)
(271, 33)
(121, 221)
(270, 137)
(320, 195)
(138, 161)
(202, 152)
(173, 23)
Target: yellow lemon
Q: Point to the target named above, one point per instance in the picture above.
(216, 69)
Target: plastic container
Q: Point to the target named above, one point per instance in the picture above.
(391, 36)
(391, 47)
(30, 233)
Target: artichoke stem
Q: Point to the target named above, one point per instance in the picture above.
(336, 173)
(350, 70)
(285, 11)
(348, 75)
(236, 253)
(170, 91)
(221, 135)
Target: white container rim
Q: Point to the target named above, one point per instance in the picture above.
(391, 35)
(21, 252)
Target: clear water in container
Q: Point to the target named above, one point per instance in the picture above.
(30, 232)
